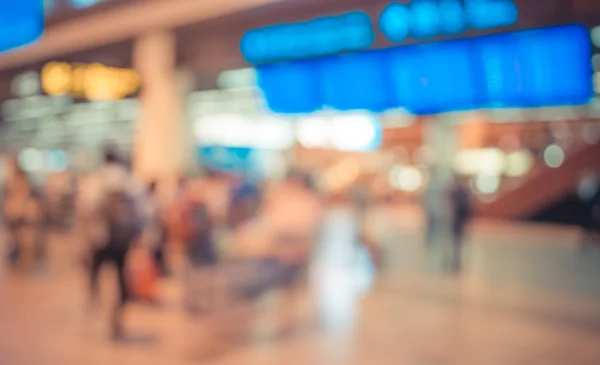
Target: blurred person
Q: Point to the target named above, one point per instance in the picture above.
(15, 194)
(147, 262)
(23, 216)
(290, 217)
(461, 216)
(176, 209)
(201, 257)
(156, 231)
(359, 195)
(432, 217)
(56, 197)
(176, 227)
(270, 252)
(89, 225)
(113, 223)
(37, 222)
(589, 195)
(244, 204)
(293, 212)
(71, 199)
(216, 190)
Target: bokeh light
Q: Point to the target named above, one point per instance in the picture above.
(595, 36)
(407, 178)
(518, 163)
(554, 156)
(31, 160)
(487, 184)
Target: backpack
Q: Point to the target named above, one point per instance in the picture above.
(197, 223)
(123, 219)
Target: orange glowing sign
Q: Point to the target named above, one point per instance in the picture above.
(89, 81)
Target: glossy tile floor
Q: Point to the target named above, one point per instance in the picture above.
(528, 295)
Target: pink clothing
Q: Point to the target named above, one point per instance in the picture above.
(292, 210)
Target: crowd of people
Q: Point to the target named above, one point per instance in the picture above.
(262, 232)
(239, 238)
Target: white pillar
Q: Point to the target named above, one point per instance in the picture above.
(161, 148)
(186, 85)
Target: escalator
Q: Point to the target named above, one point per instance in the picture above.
(543, 188)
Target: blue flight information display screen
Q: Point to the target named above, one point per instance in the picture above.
(21, 23)
(367, 89)
(354, 31)
(533, 68)
(292, 86)
(328, 35)
(433, 78)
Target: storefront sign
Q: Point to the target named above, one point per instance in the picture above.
(421, 19)
(89, 81)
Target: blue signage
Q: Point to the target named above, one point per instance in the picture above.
(345, 89)
(21, 23)
(328, 35)
(431, 18)
(297, 78)
(421, 19)
(433, 78)
(532, 68)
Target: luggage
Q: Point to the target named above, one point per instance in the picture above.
(142, 275)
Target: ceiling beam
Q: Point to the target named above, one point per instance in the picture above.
(122, 23)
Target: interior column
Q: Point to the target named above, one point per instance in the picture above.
(162, 142)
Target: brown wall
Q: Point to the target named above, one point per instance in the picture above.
(64, 11)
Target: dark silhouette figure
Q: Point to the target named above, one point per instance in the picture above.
(461, 215)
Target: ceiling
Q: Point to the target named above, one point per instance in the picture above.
(107, 23)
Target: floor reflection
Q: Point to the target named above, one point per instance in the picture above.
(527, 296)
(343, 271)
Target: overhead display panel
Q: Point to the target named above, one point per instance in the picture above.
(319, 37)
(434, 77)
(418, 20)
(291, 87)
(367, 89)
(543, 67)
(21, 23)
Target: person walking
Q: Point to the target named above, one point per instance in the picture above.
(156, 230)
(201, 256)
(20, 210)
(116, 222)
(588, 193)
(461, 215)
